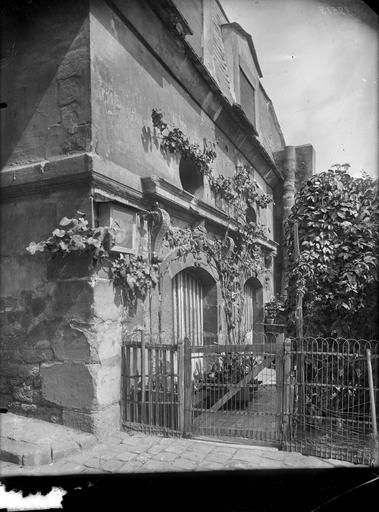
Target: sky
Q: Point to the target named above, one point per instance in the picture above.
(319, 61)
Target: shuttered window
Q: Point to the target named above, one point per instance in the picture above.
(188, 307)
(247, 97)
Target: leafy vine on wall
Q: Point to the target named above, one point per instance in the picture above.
(240, 190)
(132, 273)
(237, 254)
(234, 256)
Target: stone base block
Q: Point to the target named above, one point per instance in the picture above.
(31, 442)
(102, 423)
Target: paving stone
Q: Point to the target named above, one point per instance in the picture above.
(137, 442)
(247, 456)
(175, 448)
(165, 456)
(220, 457)
(69, 469)
(278, 457)
(143, 458)
(153, 465)
(224, 450)
(184, 464)
(210, 466)
(11, 470)
(133, 449)
(269, 464)
(237, 464)
(155, 449)
(130, 467)
(251, 463)
(93, 471)
(204, 449)
(195, 456)
(112, 466)
(126, 456)
(93, 462)
(290, 463)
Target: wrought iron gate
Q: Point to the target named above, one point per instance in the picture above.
(238, 393)
(212, 390)
(311, 396)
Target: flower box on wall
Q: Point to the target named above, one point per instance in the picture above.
(125, 220)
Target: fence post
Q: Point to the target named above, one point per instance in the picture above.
(287, 390)
(181, 385)
(279, 380)
(374, 434)
(283, 385)
(300, 370)
(187, 429)
(143, 377)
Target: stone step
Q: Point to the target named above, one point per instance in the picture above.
(31, 442)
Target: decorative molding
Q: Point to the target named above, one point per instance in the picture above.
(161, 190)
(161, 223)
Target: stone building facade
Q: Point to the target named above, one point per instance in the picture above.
(80, 80)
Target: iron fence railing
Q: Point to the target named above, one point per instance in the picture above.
(312, 395)
(150, 379)
(331, 414)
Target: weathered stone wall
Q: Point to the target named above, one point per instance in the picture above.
(85, 80)
(61, 322)
(127, 82)
(214, 49)
(45, 84)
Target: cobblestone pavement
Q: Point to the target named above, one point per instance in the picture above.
(137, 452)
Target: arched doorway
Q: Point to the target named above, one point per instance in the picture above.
(195, 306)
(252, 310)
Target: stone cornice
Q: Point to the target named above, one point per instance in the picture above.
(158, 189)
(35, 178)
(167, 11)
(85, 170)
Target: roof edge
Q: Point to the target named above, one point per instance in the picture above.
(237, 27)
(276, 121)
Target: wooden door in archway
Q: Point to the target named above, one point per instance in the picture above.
(188, 298)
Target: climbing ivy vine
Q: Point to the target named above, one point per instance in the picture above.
(240, 190)
(231, 256)
(237, 253)
(132, 273)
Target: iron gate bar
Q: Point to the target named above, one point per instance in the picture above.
(266, 348)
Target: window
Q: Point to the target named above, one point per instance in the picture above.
(190, 177)
(247, 97)
(251, 215)
(124, 219)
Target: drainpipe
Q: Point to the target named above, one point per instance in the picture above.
(289, 169)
